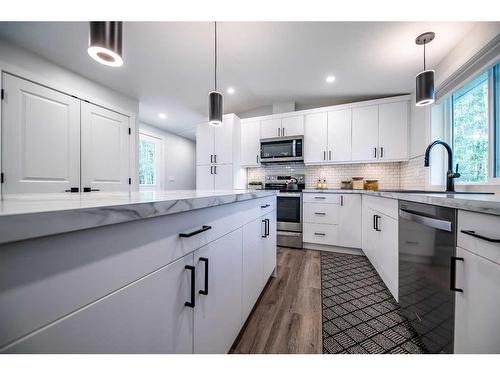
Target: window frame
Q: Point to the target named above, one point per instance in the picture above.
(158, 142)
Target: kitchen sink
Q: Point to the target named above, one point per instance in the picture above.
(432, 192)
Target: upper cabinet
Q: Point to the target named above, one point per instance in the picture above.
(316, 138)
(365, 133)
(393, 131)
(282, 127)
(250, 144)
(339, 135)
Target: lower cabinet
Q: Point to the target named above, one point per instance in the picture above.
(335, 221)
(380, 245)
(147, 316)
(476, 308)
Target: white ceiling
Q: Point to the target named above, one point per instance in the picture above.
(169, 65)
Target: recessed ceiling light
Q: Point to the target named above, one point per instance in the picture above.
(330, 79)
(230, 90)
(163, 116)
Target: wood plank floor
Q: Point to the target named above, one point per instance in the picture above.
(287, 317)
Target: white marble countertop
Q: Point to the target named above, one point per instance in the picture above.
(24, 216)
(483, 203)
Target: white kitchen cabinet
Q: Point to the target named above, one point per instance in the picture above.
(217, 312)
(105, 149)
(380, 240)
(321, 213)
(269, 246)
(350, 220)
(250, 144)
(316, 138)
(339, 135)
(322, 234)
(476, 308)
(40, 138)
(365, 133)
(270, 128)
(393, 131)
(205, 179)
(292, 126)
(147, 316)
(220, 149)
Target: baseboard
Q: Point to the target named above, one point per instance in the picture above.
(333, 249)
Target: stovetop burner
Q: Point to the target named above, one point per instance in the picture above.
(285, 183)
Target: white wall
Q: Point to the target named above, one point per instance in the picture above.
(179, 159)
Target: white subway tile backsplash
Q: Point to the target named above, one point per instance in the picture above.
(413, 174)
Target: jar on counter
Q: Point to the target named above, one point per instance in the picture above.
(358, 183)
(346, 185)
(371, 185)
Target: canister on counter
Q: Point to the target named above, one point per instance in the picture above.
(371, 185)
(358, 183)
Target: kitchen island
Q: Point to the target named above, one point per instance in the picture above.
(146, 272)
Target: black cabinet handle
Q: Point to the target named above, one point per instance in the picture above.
(211, 169)
(474, 234)
(324, 155)
(257, 157)
(319, 198)
(329, 154)
(72, 190)
(320, 213)
(381, 152)
(215, 169)
(375, 223)
(319, 234)
(193, 281)
(453, 274)
(267, 227)
(265, 206)
(204, 228)
(211, 158)
(215, 158)
(204, 291)
(375, 152)
(341, 200)
(88, 189)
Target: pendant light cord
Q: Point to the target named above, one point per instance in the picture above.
(215, 55)
(424, 55)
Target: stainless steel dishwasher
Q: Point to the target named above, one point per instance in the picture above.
(427, 262)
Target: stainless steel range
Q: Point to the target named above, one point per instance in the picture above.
(289, 213)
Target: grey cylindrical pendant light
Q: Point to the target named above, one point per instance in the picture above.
(215, 98)
(424, 81)
(105, 42)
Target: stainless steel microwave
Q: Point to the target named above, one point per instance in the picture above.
(284, 149)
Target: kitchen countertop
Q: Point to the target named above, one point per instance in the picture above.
(24, 216)
(483, 203)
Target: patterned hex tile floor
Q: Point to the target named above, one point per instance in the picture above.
(359, 313)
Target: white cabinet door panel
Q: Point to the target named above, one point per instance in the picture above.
(339, 135)
(223, 141)
(205, 144)
(250, 144)
(269, 247)
(217, 318)
(476, 308)
(223, 176)
(204, 177)
(148, 316)
(292, 126)
(321, 213)
(393, 131)
(365, 133)
(325, 234)
(105, 149)
(40, 138)
(350, 220)
(316, 138)
(270, 128)
(253, 261)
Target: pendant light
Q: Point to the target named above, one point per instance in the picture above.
(215, 99)
(425, 80)
(105, 43)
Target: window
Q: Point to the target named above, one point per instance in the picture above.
(470, 129)
(149, 160)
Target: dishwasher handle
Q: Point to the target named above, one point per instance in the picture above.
(432, 222)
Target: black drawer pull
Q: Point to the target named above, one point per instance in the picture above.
(319, 234)
(377, 228)
(203, 229)
(319, 198)
(88, 189)
(320, 213)
(204, 291)
(191, 302)
(265, 206)
(267, 227)
(453, 274)
(474, 234)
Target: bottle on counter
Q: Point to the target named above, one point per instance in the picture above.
(318, 184)
(323, 185)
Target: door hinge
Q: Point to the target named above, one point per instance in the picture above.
(3, 94)
(2, 176)
(129, 181)
(129, 131)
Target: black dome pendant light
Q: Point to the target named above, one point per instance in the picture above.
(215, 99)
(425, 80)
(105, 43)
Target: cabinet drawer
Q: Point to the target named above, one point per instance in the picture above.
(487, 226)
(49, 277)
(321, 198)
(385, 206)
(321, 233)
(321, 213)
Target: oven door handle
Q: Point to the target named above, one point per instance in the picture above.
(444, 225)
